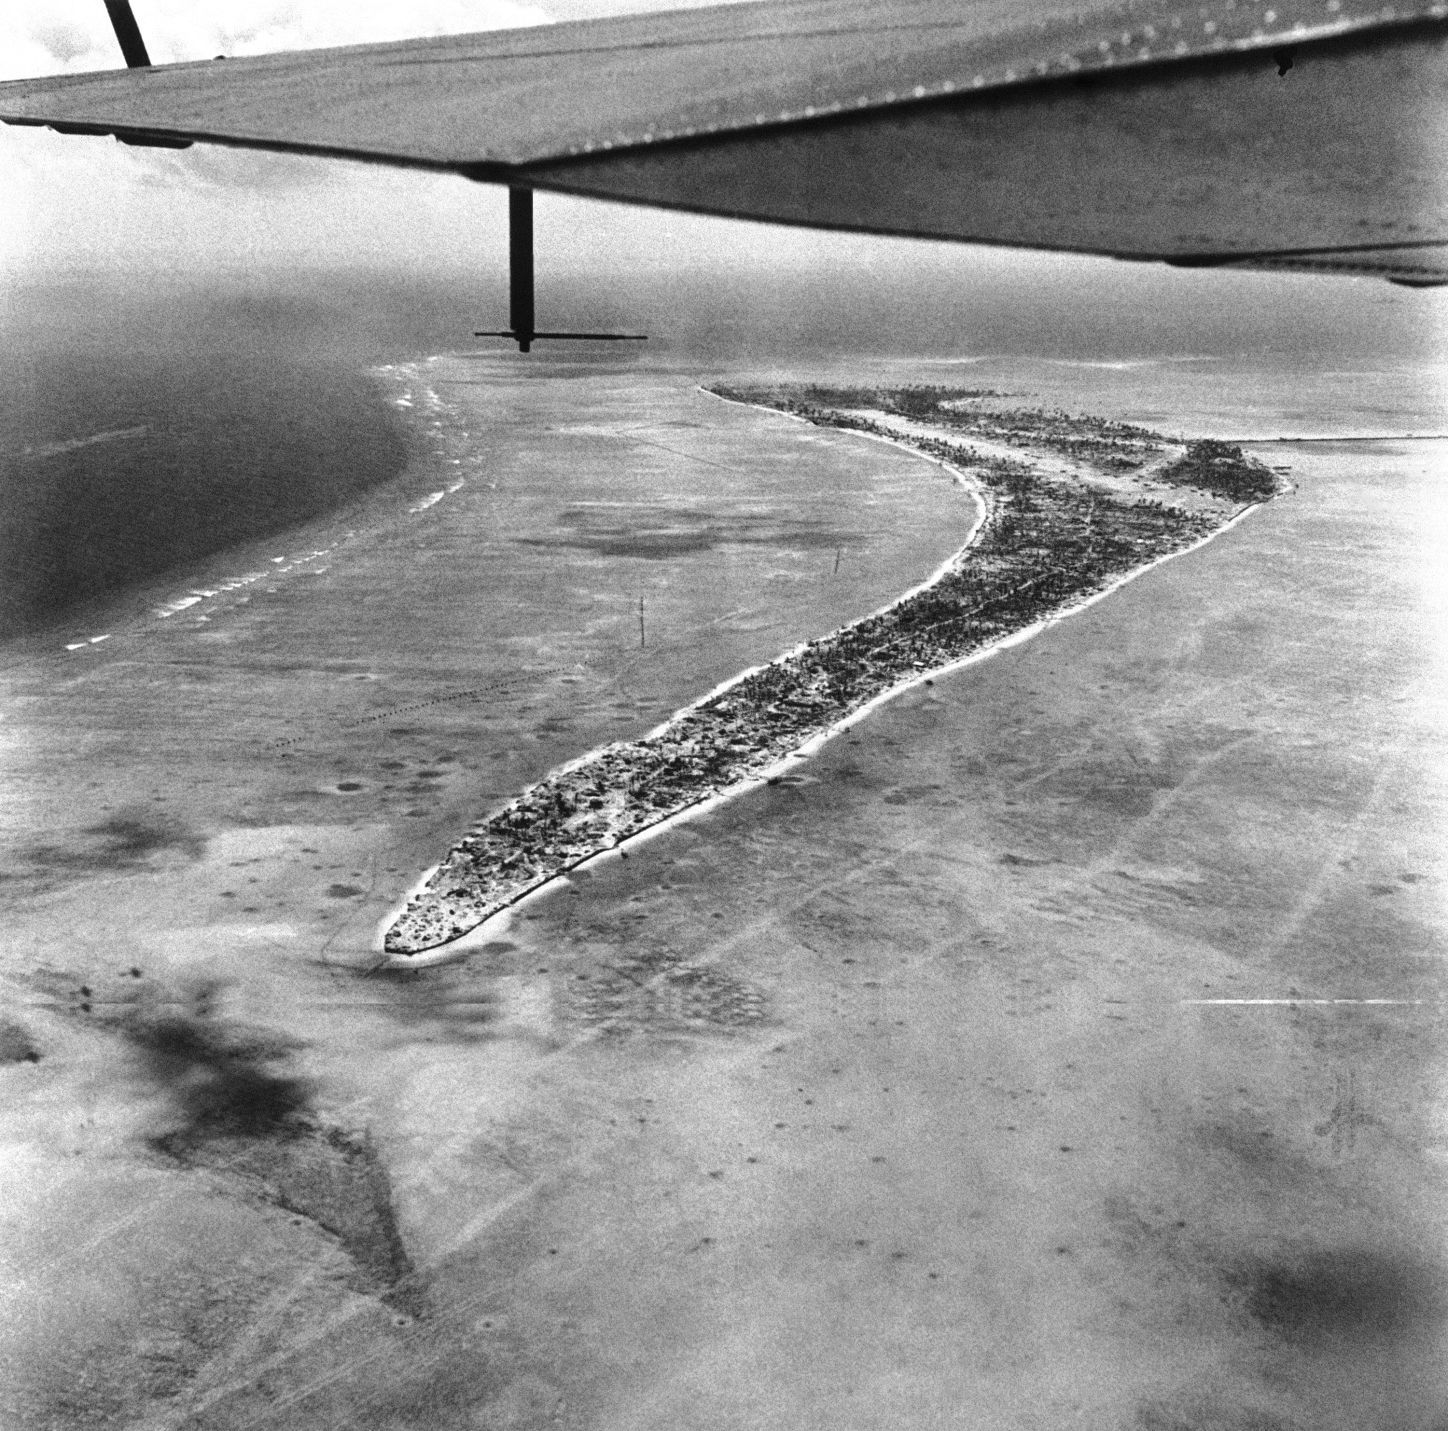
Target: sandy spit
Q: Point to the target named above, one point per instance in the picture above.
(497, 923)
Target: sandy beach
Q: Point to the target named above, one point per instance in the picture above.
(747, 729)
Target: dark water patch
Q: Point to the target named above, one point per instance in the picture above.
(1256, 1151)
(663, 533)
(241, 1117)
(649, 992)
(331, 1177)
(1127, 788)
(128, 840)
(652, 546)
(221, 1082)
(16, 1045)
(1355, 1293)
(213, 450)
(1208, 1413)
(445, 1004)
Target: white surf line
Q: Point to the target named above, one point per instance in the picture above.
(1015, 637)
(424, 401)
(55, 449)
(498, 922)
(281, 566)
(172, 607)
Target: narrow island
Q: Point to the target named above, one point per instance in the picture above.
(1072, 506)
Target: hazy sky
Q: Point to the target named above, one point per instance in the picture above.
(79, 202)
(92, 206)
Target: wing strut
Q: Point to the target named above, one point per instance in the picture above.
(133, 47)
(520, 283)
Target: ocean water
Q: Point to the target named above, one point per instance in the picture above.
(568, 556)
(223, 775)
(116, 468)
(507, 562)
(1248, 398)
(146, 428)
(175, 480)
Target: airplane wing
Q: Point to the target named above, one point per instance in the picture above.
(1308, 134)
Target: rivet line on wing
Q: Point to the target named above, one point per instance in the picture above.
(1102, 53)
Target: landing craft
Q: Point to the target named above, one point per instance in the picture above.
(1290, 134)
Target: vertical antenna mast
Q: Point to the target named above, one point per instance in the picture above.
(520, 267)
(523, 329)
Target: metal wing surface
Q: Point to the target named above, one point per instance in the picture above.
(1304, 133)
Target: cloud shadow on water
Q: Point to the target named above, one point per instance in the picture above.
(660, 533)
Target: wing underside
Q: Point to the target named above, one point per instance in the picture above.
(1292, 134)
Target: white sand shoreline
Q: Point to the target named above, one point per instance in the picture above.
(497, 923)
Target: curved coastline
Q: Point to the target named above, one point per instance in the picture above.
(496, 921)
(483, 918)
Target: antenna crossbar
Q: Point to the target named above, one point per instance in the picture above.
(521, 315)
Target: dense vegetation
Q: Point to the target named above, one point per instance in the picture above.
(1080, 437)
(1049, 542)
(1221, 469)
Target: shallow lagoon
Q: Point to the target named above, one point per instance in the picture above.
(922, 1117)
